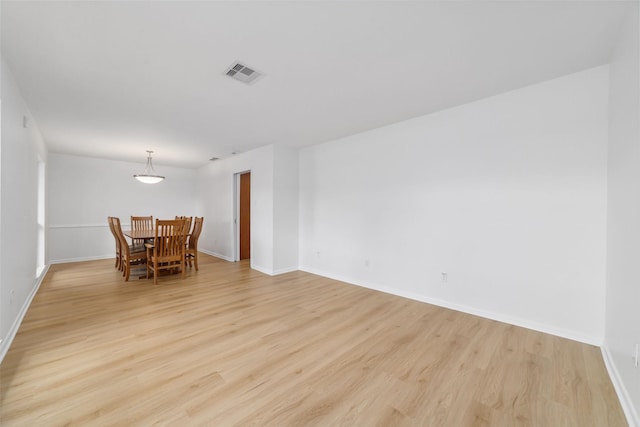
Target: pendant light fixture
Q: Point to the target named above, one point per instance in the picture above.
(149, 176)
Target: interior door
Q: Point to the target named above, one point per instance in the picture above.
(245, 215)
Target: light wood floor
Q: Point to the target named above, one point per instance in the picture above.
(231, 346)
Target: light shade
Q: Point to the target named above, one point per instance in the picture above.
(149, 179)
(149, 176)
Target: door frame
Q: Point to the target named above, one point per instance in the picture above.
(236, 215)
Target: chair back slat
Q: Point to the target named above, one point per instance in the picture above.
(192, 242)
(115, 236)
(189, 220)
(195, 233)
(117, 228)
(142, 222)
(169, 239)
(168, 249)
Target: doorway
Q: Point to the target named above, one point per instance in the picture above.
(243, 217)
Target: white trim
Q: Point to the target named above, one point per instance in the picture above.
(621, 390)
(217, 255)
(262, 269)
(6, 342)
(93, 258)
(572, 335)
(271, 272)
(84, 225)
(284, 270)
(41, 270)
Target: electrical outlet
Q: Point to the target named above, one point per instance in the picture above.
(11, 295)
(445, 278)
(366, 263)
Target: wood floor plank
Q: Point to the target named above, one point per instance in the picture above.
(231, 346)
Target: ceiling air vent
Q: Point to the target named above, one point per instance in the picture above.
(242, 73)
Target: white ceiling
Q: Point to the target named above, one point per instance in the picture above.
(113, 79)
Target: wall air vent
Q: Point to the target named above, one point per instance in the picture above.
(242, 73)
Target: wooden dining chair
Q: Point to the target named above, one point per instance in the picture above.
(129, 254)
(141, 223)
(189, 220)
(115, 236)
(191, 252)
(167, 250)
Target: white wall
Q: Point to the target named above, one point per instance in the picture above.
(623, 227)
(21, 150)
(84, 191)
(506, 195)
(285, 205)
(274, 207)
(216, 183)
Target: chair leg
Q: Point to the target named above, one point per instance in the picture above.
(155, 273)
(127, 269)
(195, 260)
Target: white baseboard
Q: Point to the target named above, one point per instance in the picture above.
(284, 270)
(93, 258)
(623, 395)
(6, 342)
(500, 317)
(261, 269)
(217, 255)
(271, 272)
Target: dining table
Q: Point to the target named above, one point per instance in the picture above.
(143, 233)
